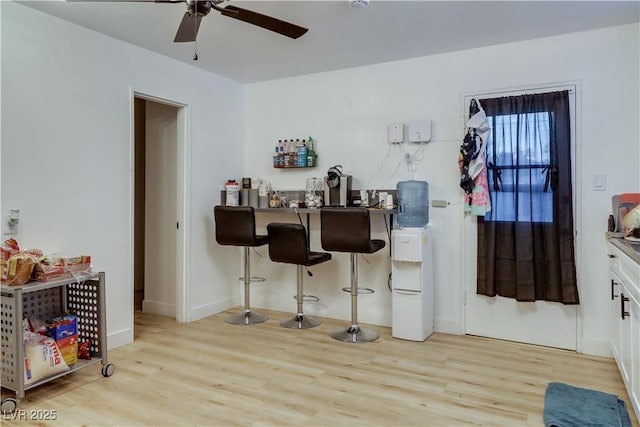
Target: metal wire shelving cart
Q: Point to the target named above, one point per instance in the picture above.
(82, 294)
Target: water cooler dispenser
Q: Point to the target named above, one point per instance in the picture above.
(412, 265)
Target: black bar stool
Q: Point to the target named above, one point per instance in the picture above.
(236, 226)
(288, 244)
(349, 230)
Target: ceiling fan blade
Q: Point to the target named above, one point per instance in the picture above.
(276, 25)
(124, 1)
(188, 29)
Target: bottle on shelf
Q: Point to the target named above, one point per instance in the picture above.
(286, 154)
(311, 154)
(302, 154)
(293, 150)
(277, 160)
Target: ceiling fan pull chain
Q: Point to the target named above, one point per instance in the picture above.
(195, 42)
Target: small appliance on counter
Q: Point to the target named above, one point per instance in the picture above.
(622, 205)
(337, 187)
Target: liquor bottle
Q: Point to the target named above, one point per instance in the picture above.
(302, 154)
(311, 154)
(287, 154)
(279, 154)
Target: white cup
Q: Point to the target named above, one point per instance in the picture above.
(364, 198)
(389, 202)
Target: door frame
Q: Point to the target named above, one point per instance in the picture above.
(576, 158)
(182, 200)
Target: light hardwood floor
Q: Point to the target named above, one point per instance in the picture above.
(210, 373)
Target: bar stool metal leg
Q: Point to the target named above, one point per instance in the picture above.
(300, 320)
(247, 317)
(354, 333)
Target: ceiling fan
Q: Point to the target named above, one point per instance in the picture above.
(197, 9)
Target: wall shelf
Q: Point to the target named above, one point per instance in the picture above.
(290, 161)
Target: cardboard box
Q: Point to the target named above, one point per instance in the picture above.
(67, 342)
(70, 352)
(64, 327)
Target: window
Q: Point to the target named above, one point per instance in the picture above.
(519, 160)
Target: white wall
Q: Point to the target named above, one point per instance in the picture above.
(67, 152)
(348, 112)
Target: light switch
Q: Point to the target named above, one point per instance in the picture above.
(599, 182)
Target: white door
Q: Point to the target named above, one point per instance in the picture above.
(540, 322)
(544, 323)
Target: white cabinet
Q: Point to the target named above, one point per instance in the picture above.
(635, 362)
(614, 313)
(624, 283)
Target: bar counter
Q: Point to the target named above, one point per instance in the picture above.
(372, 211)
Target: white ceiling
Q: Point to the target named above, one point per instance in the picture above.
(339, 35)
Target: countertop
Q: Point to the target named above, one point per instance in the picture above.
(372, 211)
(630, 249)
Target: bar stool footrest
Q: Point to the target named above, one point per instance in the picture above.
(253, 279)
(363, 291)
(308, 298)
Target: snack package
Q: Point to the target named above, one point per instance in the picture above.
(54, 267)
(42, 358)
(20, 266)
(84, 349)
(63, 327)
(34, 325)
(69, 349)
(7, 249)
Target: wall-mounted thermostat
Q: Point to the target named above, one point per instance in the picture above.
(395, 133)
(420, 131)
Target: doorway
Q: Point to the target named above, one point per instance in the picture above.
(158, 204)
(540, 322)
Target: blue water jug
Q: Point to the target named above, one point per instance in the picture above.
(413, 203)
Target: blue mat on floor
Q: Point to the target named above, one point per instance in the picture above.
(569, 406)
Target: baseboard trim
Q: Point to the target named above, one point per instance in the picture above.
(596, 347)
(120, 338)
(159, 308)
(206, 310)
(447, 326)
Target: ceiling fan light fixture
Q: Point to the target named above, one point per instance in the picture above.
(358, 3)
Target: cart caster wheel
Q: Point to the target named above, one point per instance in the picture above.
(107, 370)
(8, 405)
